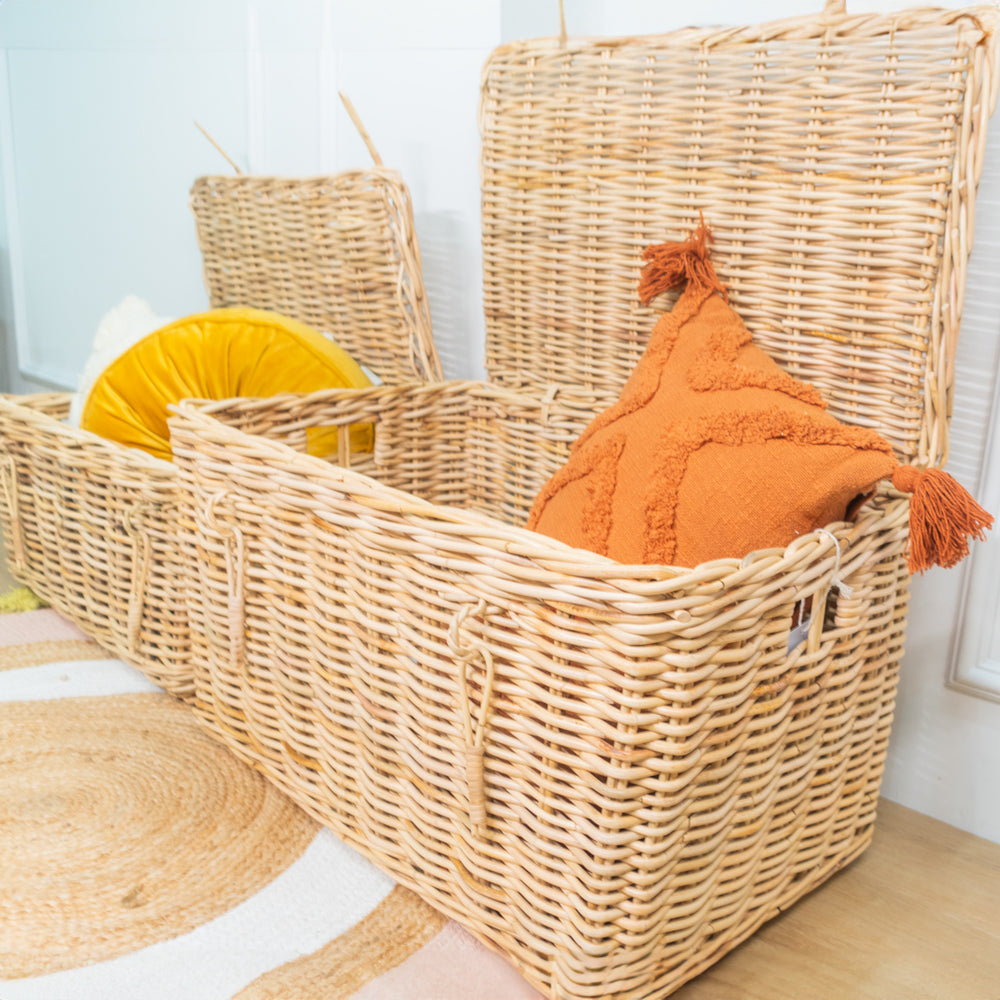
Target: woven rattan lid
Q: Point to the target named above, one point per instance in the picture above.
(337, 252)
(834, 159)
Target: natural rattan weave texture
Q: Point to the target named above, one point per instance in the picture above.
(338, 253)
(89, 525)
(831, 158)
(612, 774)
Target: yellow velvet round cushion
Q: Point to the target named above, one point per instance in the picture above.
(218, 354)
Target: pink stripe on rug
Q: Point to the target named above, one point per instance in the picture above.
(451, 966)
(44, 624)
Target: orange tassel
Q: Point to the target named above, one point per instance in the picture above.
(943, 517)
(670, 264)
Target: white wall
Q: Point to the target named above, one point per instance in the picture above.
(98, 150)
(98, 146)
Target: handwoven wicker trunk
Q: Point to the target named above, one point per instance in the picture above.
(91, 526)
(611, 774)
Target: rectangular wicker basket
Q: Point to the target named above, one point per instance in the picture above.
(91, 526)
(611, 774)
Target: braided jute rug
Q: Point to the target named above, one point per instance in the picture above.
(140, 860)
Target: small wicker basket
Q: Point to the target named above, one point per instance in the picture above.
(611, 774)
(91, 526)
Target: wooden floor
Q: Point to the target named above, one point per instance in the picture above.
(917, 917)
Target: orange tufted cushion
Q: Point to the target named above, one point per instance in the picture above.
(711, 451)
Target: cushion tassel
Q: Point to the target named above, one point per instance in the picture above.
(671, 264)
(943, 517)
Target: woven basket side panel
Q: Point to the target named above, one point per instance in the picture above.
(747, 777)
(829, 159)
(612, 781)
(481, 448)
(93, 531)
(338, 253)
(463, 444)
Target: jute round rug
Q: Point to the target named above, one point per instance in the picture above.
(121, 825)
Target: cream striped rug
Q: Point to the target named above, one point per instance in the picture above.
(139, 859)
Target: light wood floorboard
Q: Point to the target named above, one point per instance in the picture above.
(916, 917)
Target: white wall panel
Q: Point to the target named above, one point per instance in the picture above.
(420, 109)
(285, 108)
(103, 148)
(104, 152)
(432, 25)
(188, 25)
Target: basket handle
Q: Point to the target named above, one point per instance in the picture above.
(139, 574)
(475, 730)
(235, 555)
(8, 487)
(835, 8)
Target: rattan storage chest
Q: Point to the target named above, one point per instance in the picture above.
(612, 774)
(91, 526)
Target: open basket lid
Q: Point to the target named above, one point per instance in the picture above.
(834, 158)
(337, 252)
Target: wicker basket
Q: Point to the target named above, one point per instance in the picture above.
(611, 774)
(91, 526)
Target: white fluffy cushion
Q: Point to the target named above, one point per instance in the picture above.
(125, 325)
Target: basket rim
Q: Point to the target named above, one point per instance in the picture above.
(980, 17)
(20, 407)
(518, 545)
